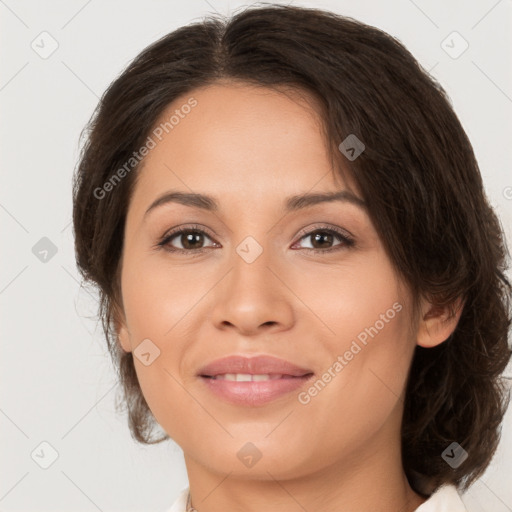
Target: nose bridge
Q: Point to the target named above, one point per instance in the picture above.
(250, 264)
(251, 295)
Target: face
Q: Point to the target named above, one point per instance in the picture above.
(306, 282)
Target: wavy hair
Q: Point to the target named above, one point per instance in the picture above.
(418, 175)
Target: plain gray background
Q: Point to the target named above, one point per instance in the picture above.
(58, 385)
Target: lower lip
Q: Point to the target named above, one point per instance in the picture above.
(254, 393)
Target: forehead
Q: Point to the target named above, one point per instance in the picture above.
(242, 141)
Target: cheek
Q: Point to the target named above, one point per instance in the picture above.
(352, 298)
(156, 306)
(359, 390)
(161, 305)
(156, 298)
(369, 348)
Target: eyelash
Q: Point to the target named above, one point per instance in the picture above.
(347, 242)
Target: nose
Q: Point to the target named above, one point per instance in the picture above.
(253, 297)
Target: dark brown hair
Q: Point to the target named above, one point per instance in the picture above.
(418, 175)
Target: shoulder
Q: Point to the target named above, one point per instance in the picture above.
(445, 499)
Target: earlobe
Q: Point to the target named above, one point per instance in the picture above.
(123, 336)
(437, 323)
(123, 339)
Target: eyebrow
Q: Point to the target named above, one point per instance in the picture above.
(292, 203)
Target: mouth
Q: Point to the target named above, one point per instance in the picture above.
(252, 381)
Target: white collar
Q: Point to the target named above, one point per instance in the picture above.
(445, 499)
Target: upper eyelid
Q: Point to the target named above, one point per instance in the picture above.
(319, 226)
(179, 229)
(307, 231)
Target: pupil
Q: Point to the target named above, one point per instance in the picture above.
(321, 237)
(189, 237)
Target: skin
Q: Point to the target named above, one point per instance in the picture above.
(251, 148)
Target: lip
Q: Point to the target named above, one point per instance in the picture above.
(261, 364)
(253, 393)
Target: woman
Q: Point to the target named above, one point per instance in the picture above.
(302, 281)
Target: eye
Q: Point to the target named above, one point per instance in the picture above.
(190, 239)
(322, 239)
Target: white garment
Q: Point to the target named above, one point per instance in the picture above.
(445, 499)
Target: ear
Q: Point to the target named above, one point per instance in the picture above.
(123, 334)
(437, 323)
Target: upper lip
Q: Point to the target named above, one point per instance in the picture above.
(255, 365)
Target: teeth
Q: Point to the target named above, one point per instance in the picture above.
(247, 377)
(264, 377)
